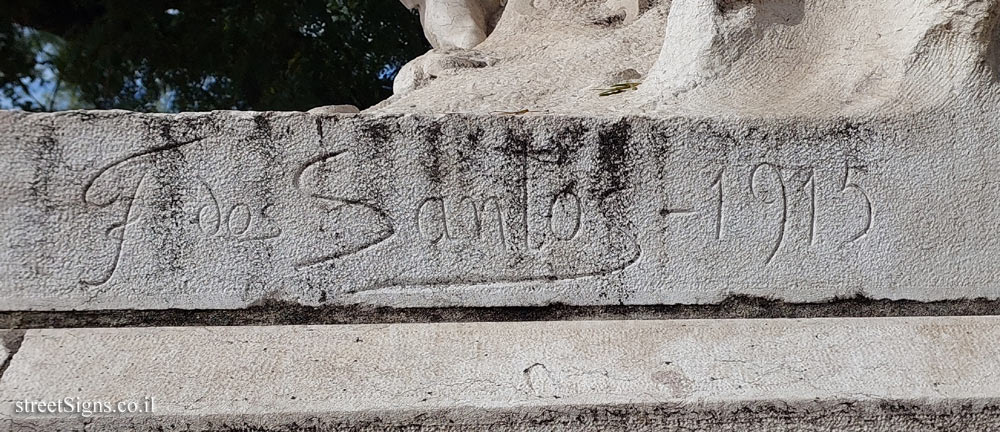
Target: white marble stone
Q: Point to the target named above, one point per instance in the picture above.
(5, 354)
(115, 210)
(775, 58)
(863, 374)
(456, 23)
(334, 109)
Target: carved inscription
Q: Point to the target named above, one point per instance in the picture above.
(465, 218)
(115, 188)
(772, 196)
(234, 221)
(328, 203)
(849, 186)
(102, 191)
(516, 231)
(528, 223)
(117, 233)
(772, 188)
(440, 219)
(564, 216)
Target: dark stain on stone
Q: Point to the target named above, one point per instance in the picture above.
(728, 6)
(319, 127)
(48, 157)
(611, 21)
(562, 146)
(613, 170)
(473, 138)
(516, 142)
(469, 153)
(261, 127)
(716, 132)
(572, 135)
(377, 132)
(569, 187)
(164, 131)
(168, 202)
(433, 166)
(432, 132)
(855, 131)
(755, 133)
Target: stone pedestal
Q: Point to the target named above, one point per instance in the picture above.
(593, 157)
(114, 210)
(915, 374)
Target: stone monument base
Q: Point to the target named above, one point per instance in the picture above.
(225, 210)
(842, 374)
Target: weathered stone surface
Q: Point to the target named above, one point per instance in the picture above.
(775, 58)
(452, 24)
(4, 352)
(334, 109)
(543, 55)
(113, 210)
(9, 341)
(909, 374)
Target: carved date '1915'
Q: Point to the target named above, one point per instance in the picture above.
(779, 196)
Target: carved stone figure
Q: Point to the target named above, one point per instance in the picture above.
(456, 23)
(715, 57)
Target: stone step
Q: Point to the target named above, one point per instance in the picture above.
(851, 374)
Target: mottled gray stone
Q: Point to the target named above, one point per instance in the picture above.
(781, 58)
(117, 210)
(4, 352)
(334, 109)
(863, 374)
(6, 344)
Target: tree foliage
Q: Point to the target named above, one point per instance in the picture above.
(181, 55)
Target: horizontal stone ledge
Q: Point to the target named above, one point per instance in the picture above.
(821, 374)
(117, 210)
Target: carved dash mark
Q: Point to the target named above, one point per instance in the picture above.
(445, 281)
(718, 212)
(811, 181)
(677, 212)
